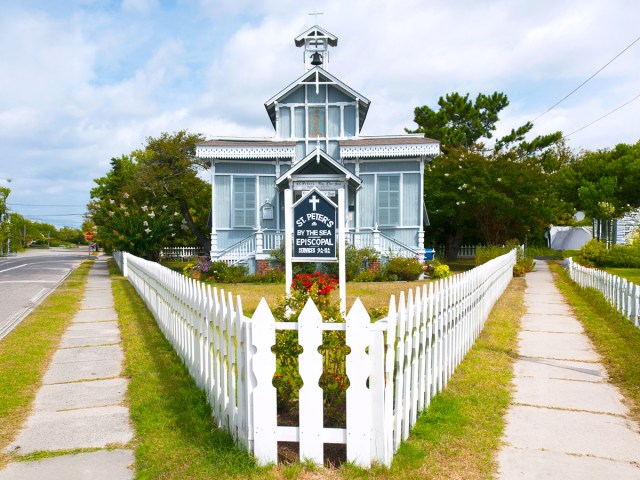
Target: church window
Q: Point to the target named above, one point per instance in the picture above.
(349, 121)
(285, 122)
(389, 200)
(317, 122)
(244, 201)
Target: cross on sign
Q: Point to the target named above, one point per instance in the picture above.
(314, 201)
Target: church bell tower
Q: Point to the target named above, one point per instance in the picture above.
(316, 43)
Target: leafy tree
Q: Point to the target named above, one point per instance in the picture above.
(153, 197)
(169, 168)
(603, 184)
(475, 194)
(5, 225)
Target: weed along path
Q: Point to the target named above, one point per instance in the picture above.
(79, 427)
(566, 421)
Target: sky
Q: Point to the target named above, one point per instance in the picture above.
(83, 81)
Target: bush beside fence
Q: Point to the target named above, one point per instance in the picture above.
(395, 367)
(623, 295)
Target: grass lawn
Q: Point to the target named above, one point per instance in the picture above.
(26, 353)
(631, 274)
(176, 437)
(615, 338)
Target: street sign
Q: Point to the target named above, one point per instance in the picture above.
(88, 236)
(314, 228)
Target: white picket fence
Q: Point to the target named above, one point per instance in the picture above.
(181, 253)
(465, 251)
(622, 294)
(395, 367)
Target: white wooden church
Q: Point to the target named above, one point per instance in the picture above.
(317, 143)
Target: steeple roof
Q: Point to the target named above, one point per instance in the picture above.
(316, 33)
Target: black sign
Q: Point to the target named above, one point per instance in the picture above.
(314, 228)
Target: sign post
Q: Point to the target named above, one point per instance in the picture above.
(311, 225)
(88, 236)
(314, 229)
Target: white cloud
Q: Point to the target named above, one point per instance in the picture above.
(89, 83)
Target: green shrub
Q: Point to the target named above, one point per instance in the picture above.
(440, 271)
(357, 260)
(484, 254)
(519, 270)
(407, 269)
(543, 252)
(368, 276)
(593, 252)
(622, 256)
(524, 259)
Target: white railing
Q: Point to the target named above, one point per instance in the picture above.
(239, 252)
(390, 246)
(361, 239)
(183, 253)
(465, 251)
(264, 241)
(395, 367)
(622, 294)
(272, 240)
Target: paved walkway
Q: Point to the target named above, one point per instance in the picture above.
(566, 422)
(80, 404)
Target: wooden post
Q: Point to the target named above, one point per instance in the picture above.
(288, 238)
(342, 270)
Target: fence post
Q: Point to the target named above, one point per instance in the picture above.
(263, 405)
(376, 240)
(310, 395)
(377, 387)
(358, 395)
(125, 264)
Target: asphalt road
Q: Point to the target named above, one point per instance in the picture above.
(27, 279)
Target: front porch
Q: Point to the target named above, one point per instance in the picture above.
(258, 245)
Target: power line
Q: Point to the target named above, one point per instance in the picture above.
(605, 115)
(583, 83)
(46, 215)
(35, 205)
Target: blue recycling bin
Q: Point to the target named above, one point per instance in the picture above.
(429, 253)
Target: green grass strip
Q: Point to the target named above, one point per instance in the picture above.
(459, 434)
(26, 352)
(614, 337)
(175, 434)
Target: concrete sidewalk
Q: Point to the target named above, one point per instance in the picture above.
(80, 404)
(566, 421)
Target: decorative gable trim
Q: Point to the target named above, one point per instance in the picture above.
(319, 156)
(245, 152)
(389, 151)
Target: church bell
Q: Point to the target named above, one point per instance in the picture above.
(316, 59)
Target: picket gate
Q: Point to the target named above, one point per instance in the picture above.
(395, 365)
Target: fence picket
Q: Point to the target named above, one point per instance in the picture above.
(263, 366)
(390, 362)
(310, 394)
(358, 395)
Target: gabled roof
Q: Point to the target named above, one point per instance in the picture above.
(319, 75)
(319, 159)
(317, 32)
